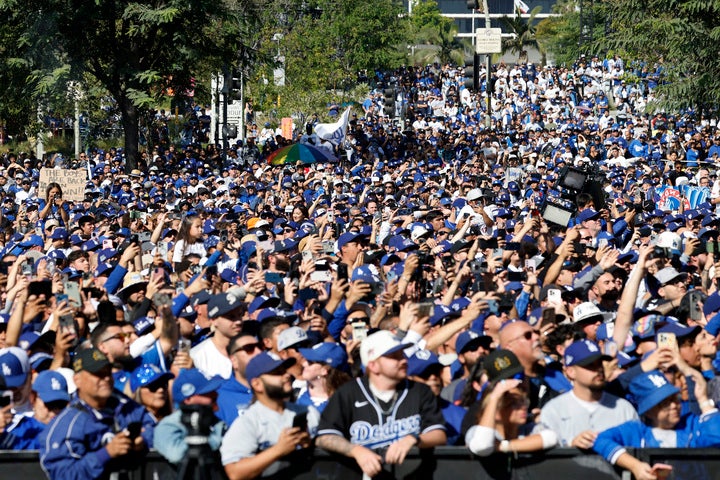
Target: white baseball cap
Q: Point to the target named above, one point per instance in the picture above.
(380, 344)
(587, 310)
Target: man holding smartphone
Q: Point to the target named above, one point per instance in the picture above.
(265, 439)
(90, 438)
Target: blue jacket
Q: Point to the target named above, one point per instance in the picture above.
(693, 431)
(72, 446)
(233, 398)
(21, 434)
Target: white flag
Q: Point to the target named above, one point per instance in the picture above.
(334, 132)
(522, 6)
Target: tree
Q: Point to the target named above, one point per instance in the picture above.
(560, 35)
(135, 49)
(683, 35)
(524, 31)
(439, 35)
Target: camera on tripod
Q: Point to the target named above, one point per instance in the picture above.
(200, 462)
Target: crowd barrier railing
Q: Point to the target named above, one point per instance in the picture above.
(446, 463)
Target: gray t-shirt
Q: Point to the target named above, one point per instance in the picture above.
(259, 429)
(568, 416)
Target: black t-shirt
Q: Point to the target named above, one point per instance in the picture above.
(354, 413)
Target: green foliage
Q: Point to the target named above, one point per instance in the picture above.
(559, 36)
(443, 44)
(134, 49)
(426, 15)
(525, 34)
(667, 32)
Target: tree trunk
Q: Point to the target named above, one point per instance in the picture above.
(129, 119)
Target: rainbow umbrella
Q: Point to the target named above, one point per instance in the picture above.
(300, 152)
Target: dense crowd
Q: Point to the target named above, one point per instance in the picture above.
(421, 290)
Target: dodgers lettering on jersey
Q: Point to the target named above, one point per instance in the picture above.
(378, 436)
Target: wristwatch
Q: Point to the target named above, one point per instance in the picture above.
(505, 446)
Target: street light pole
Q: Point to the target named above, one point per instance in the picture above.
(488, 95)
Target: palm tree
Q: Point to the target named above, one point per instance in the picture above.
(441, 43)
(524, 31)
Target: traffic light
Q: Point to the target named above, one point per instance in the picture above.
(473, 4)
(472, 73)
(232, 85)
(389, 102)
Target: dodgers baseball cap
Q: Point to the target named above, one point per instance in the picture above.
(366, 273)
(470, 340)
(589, 311)
(15, 366)
(51, 386)
(380, 344)
(421, 361)
(143, 325)
(650, 388)
(191, 381)
(223, 303)
(291, 337)
(329, 353)
(263, 363)
(442, 312)
(583, 353)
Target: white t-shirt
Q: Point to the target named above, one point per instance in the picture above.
(181, 250)
(208, 359)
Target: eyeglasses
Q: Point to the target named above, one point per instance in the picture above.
(154, 387)
(359, 319)
(443, 233)
(118, 336)
(249, 348)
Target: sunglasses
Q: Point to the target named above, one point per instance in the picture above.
(118, 336)
(154, 387)
(249, 348)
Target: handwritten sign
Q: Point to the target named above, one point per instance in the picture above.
(72, 182)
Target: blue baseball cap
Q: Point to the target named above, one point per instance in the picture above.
(470, 340)
(679, 330)
(33, 241)
(365, 273)
(263, 302)
(223, 303)
(51, 386)
(329, 353)
(650, 388)
(263, 363)
(15, 365)
(58, 233)
(191, 382)
(588, 214)
(712, 304)
(349, 237)
(421, 361)
(582, 353)
(441, 312)
(147, 374)
(270, 313)
(143, 325)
